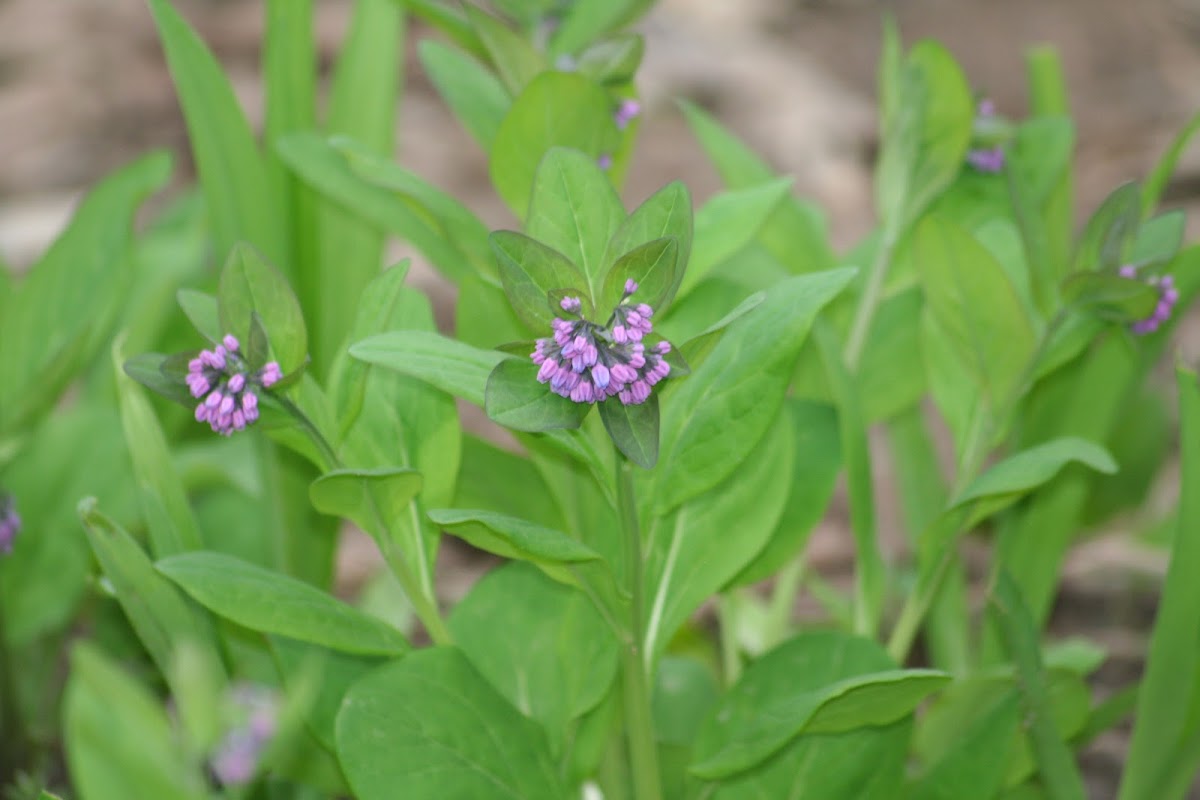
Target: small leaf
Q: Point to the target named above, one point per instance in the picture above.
(201, 309)
(1109, 233)
(250, 285)
(477, 98)
(529, 271)
(371, 498)
(666, 214)
(1110, 297)
(516, 60)
(147, 369)
(516, 400)
(448, 364)
(613, 61)
(652, 266)
(634, 429)
(511, 537)
(270, 602)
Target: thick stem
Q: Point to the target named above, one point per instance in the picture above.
(639, 719)
(13, 754)
(856, 341)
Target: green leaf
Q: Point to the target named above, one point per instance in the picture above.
(556, 109)
(1162, 755)
(1160, 176)
(1110, 297)
(119, 741)
(613, 61)
(249, 285)
(975, 763)
(862, 701)
(575, 210)
(448, 364)
(529, 272)
(666, 214)
(653, 266)
(433, 725)
(160, 615)
(516, 400)
(1009, 480)
(270, 602)
(719, 413)
(201, 310)
(477, 98)
(729, 222)
(516, 60)
(496, 479)
(587, 20)
(541, 644)
(1158, 239)
(232, 172)
(1056, 764)
(690, 553)
(634, 429)
(866, 764)
(973, 301)
(511, 537)
(172, 528)
(1109, 233)
(56, 320)
(817, 443)
(926, 132)
(371, 498)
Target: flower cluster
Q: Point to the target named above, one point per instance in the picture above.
(1168, 296)
(235, 761)
(986, 159)
(10, 523)
(228, 387)
(588, 363)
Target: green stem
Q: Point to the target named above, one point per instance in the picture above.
(856, 342)
(639, 719)
(731, 657)
(12, 755)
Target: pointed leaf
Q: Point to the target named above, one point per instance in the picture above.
(476, 97)
(666, 214)
(448, 364)
(249, 285)
(371, 498)
(634, 429)
(652, 266)
(516, 400)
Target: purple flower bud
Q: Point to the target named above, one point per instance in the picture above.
(195, 365)
(605, 161)
(663, 347)
(239, 420)
(626, 113)
(10, 523)
(1128, 271)
(236, 760)
(237, 382)
(548, 371)
(644, 310)
(214, 399)
(990, 160)
(571, 305)
(631, 286)
(201, 412)
(601, 376)
(230, 342)
(620, 334)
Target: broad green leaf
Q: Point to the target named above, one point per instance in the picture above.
(556, 109)
(862, 701)
(529, 272)
(1056, 764)
(44, 578)
(1038, 171)
(1007, 481)
(232, 173)
(575, 210)
(337, 672)
(516, 400)
(634, 429)
(730, 221)
(496, 479)
(719, 413)
(55, 320)
(541, 644)
(1109, 297)
(119, 741)
(1158, 239)
(1161, 756)
(516, 60)
(817, 445)
(270, 602)
(926, 132)
(866, 764)
(891, 374)
(371, 498)
(448, 364)
(975, 763)
(689, 552)
(172, 528)
(511, 537)
(666, 214)
(329, 171)
(433, 725)
(1156, 182)
(968, 293)
(476, 97)
(652, 266)
(249, 285)
(796, 233)
(160, 615)
(201, 310)
(1108, 236)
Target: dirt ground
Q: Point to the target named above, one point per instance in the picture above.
(83, 88)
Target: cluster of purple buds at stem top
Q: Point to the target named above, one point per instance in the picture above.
(986, 159)
(236, 759)
(587, 362)
(1168, 296)
(226, 386)
(626, 112)
(10, 523)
